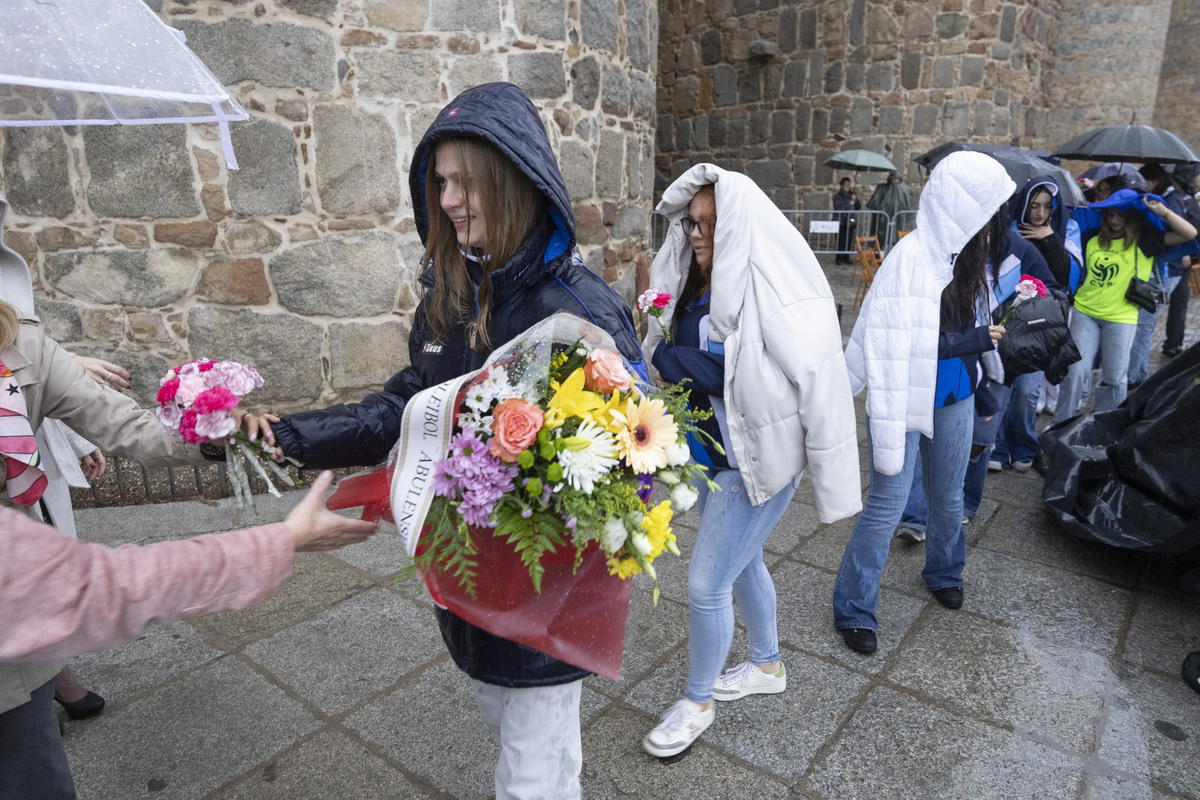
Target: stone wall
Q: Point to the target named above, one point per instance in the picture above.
(1108, 63)
(773, 88)
(147, 251)
(1177, 106)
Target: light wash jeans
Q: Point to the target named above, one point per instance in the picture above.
(1112, 340)
(727, 564)
(1139, 352)
(537, 730)
(1017, 438)
(943, 467)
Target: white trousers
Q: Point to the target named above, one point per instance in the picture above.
(537, 730)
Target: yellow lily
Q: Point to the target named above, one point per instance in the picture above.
(572, 400)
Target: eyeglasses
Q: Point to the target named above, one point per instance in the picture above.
(706, 226)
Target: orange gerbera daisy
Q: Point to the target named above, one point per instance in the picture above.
(646, 430)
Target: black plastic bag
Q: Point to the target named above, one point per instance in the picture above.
(1130, 477)
(1038, 339)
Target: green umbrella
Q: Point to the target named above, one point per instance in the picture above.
(861, 161)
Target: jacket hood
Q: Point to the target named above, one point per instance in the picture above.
(964, 191)
(503, 116)
(16, 287)
(1124, 199)
(1019, 206)
(744, 214)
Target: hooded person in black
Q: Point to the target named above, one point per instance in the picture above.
(494, 214)
(1044, 220)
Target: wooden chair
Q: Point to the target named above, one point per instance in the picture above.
(869, 259)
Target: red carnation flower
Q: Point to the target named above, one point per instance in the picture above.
(187, 428)
(216, 399)
(167, 393)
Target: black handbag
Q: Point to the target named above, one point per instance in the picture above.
(1144, 294)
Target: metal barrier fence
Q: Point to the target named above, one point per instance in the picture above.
(823, 229)
(833, 232)
(903, 222)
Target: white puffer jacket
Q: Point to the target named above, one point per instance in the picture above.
(787, 397)
(893, 350)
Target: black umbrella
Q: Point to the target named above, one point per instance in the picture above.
(1141, 143)
(1021, 165)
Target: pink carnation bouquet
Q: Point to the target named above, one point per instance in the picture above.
(653, 303)
(196, 402)
(1028, 288)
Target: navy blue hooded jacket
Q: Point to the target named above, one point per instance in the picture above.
(546, 275)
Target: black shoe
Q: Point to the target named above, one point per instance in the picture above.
(1171, 352)
(950, 597)
(1191, 670)
(861, 640)
(91, 705)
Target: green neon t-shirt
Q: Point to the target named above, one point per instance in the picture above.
(1101, 294)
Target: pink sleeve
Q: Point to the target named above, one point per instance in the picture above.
(60, 597)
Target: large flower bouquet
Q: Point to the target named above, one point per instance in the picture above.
(196, 402)
(560, 453)
(523, 490)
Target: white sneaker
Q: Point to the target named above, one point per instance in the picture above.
(679, 727)
(995, 466)
(1022, 466)
(746, 679)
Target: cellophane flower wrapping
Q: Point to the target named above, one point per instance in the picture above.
(539, 509)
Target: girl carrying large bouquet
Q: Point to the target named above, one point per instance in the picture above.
(493, 212)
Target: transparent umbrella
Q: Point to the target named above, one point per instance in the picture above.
(103, 62)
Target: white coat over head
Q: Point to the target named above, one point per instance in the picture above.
(787, 396)
(893, 350)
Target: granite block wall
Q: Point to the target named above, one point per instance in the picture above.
(775, 87)
(146, 250)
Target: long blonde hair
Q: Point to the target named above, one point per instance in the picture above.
(10, 320)
(511, 206)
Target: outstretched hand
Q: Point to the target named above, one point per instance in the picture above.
(258, 427)
(105, 373)
(316, 528)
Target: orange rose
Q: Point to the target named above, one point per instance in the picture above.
(515, 426)
(605, 372)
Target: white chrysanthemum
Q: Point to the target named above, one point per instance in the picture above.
(586, 465)
(475, 422)
(493, 388)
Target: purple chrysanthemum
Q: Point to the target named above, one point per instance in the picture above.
(474, 477)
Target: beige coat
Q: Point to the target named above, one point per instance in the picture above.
(54, 385)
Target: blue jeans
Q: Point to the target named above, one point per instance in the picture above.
(727, 564)
(1017, 438)
(1112, 340)
(1139, 352)
(983, 436)
(943, 466)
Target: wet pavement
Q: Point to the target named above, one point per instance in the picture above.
(1059, 678)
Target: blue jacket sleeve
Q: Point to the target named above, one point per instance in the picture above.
(705, 371)
(952, 344)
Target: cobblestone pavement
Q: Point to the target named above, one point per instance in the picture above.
(1059, 678)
